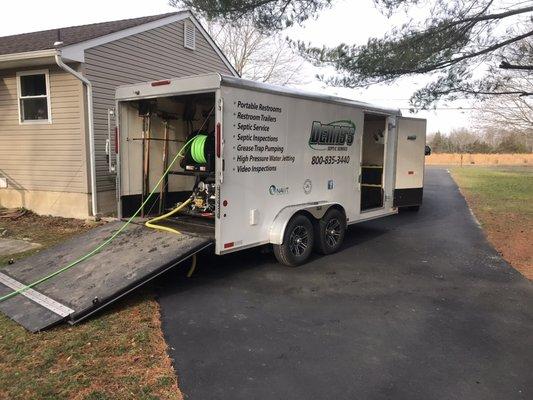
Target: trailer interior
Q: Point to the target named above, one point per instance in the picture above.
(372, 161)
(154, 131)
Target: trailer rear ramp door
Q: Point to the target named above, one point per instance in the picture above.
(135, 257)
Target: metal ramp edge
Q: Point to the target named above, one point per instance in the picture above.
(78, 317)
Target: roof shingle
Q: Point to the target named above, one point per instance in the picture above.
(44, 40)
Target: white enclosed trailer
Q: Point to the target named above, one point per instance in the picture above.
(277, 166)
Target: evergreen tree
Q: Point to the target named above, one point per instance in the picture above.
(455, 38)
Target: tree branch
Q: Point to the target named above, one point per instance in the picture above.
(448, 63)
(507, 65)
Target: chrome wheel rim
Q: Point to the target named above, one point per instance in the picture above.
(298, 241)
(333, 232)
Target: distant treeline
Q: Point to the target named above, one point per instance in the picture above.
(488, 141)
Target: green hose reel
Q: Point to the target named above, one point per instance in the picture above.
(198, 149)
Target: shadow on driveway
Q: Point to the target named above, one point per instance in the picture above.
(415, 306)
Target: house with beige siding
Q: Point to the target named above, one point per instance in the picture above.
(57, 97)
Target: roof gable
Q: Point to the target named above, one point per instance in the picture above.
(44, 40)
(76, 39)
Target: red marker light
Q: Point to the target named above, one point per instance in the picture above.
(228, 245)
(116, 139)
(225, 203)
(160, 83)
(411, 172)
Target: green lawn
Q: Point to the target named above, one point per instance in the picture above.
(120, 354)
(499, 189)
(502, 200)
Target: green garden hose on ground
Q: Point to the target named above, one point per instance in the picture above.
(107, 241)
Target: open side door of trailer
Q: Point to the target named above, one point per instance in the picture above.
(409, 182)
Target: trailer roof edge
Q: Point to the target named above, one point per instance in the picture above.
(293, 92)
(213, 81)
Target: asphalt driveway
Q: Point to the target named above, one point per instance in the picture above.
(415, 306)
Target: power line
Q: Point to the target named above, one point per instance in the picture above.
(461, 108)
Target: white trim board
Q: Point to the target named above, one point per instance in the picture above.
(27, 55)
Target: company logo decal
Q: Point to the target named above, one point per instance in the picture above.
(337, 133)
(274, 190)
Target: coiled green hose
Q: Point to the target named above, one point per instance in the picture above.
(198, 149)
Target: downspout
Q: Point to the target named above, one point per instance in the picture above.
(92, 155)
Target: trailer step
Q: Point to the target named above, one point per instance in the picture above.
(135, 257)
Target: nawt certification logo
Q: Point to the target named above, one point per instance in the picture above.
(275, 190)
(337, 133)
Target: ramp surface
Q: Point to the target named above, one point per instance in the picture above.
(133, 258)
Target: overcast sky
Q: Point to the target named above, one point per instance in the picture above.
(348, 21)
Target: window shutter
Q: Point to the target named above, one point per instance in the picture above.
(189, 36)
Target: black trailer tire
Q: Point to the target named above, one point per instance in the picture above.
(298, 241)
(330, 231)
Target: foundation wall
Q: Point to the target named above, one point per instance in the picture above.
(60, 204)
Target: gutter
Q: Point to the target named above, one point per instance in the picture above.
(28, 55)
(90, 117)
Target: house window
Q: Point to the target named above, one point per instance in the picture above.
(34, 97)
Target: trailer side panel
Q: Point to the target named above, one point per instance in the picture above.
(279, 152)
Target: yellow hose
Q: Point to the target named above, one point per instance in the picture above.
(193, 267)
(150, 223)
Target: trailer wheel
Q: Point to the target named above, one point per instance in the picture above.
(297, 242)
(330, 230)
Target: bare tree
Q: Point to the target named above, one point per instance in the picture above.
(511, 113)
(258, 56)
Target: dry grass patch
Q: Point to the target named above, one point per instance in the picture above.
(502, 199)
(120, 354)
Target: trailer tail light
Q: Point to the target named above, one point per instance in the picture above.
(161, 83)
(219, 139)
(411, 172)
(228, 245)
(116, 139)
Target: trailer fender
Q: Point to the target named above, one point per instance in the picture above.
(316, 210)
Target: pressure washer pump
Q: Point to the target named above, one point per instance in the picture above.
(204, 198)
